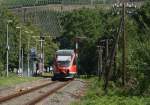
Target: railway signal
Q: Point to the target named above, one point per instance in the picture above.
(41, 60)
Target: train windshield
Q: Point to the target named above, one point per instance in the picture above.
(63, 63)
(63, 60)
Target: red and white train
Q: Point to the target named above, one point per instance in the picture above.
(65, 64)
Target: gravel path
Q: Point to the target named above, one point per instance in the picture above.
(70, 93)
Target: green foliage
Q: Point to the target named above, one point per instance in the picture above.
(1, 69)
(84, 23)
(96, 23)
(4, 17)
(27, 33)
(49, 51)
(95, 96)
(139, 50)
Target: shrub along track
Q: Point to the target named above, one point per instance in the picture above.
(33, 95)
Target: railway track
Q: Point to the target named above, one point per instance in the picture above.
(33, 95)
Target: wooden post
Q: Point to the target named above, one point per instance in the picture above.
(100, 61)
(124, 54)
(110, 58)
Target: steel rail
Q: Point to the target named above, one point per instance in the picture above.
(17, 94)
(48, 93)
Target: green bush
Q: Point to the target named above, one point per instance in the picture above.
(95, 96)
(1, 69)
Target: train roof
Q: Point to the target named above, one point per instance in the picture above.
(65, 52)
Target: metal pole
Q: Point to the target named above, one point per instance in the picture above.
(22, 61)
(20, 52)
(7, 50)
(43, 55)
(28, 57)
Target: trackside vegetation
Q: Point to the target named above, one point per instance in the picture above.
(29, 34)
(97, 23)
(13, 79)
(116, 96)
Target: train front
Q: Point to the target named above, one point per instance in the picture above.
(65, 64)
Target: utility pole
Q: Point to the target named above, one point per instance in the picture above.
(130, 7)
(111, 56)
(7, 47)
(100, 61)
(124, 53)
(123, 7)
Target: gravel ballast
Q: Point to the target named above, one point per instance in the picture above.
(9, 90)
(65, 96)
(70, 93)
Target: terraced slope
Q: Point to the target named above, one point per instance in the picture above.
(20, 3)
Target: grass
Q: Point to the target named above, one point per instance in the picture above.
(47, 74)
(14, 79)
(95, 96)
